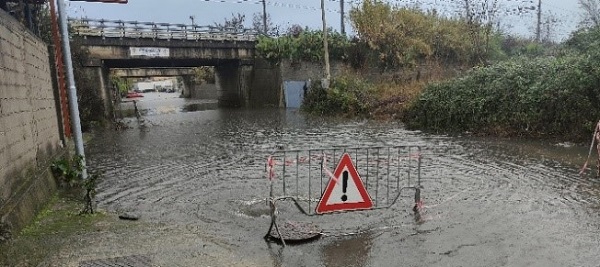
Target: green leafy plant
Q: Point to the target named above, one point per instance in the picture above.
(68, 171)
(69, 174)
(122, 85)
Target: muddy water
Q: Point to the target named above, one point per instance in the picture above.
(488, 202)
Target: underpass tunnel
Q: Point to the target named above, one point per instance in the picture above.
(231, 83)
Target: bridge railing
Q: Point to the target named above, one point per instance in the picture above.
(165, 31)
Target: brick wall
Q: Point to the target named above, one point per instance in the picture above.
(29, 128)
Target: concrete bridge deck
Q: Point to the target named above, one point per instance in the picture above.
(132, 44)
(165, 31)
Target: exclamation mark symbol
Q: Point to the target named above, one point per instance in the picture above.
(344, 185)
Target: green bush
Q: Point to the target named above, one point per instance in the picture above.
(533, 97)
(68, 171)
(307, 45)
(584, 40)
(346, 96)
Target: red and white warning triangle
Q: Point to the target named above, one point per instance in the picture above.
(345, 190)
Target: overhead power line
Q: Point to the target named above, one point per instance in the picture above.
(271, 3)
(563, 9)
(515, 8)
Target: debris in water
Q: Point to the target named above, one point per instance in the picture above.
(129, 216)
(295, 232)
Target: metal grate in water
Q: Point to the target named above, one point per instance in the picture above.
(128, 261)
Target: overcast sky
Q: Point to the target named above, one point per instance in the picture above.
(307, 12)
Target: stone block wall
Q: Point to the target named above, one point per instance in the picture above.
(29, 127)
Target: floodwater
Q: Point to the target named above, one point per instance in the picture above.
(487, 202)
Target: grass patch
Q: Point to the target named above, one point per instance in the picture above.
(46, 235)
(61, 217)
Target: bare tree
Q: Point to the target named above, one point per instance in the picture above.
(591, 12)
(295, 30)
(257, 25)
(233, 24)
(548, 31)
(483, 12)
(481, 16)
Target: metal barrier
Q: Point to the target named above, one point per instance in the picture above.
(311, 178)
(166, 31)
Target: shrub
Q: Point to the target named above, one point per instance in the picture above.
(306, 45)
(544, 96)
(346, 96)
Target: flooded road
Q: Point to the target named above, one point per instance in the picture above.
(193, 167)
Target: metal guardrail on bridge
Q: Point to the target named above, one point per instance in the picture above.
(151, 30)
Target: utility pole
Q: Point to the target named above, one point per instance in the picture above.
(539, 22)
(325, 47)
(468, 11)
(264, 4)
(342, 26)
(77, 135)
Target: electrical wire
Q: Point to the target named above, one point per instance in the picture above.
(274, 4)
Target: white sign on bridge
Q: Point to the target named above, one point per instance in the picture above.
(149, 52)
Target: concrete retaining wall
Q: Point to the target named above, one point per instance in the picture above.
(304, 70)
(266, 85)
(29, 128)
(292, 71)
(204, 90)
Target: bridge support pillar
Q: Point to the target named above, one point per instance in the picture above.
(188, 85)
(246, 84)
(228, 80)
(97, 80)
(256, 84)
(266, 85)
(198, 89)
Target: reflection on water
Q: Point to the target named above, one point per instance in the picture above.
(495, 202)
(352, 251)
(199, 107)
(162, 103)
(564, 154)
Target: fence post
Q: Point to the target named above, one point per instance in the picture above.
(137, 30)
(102, 28)
(122, 26)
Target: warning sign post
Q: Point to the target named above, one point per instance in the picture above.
(345, 190)
(299, 176)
